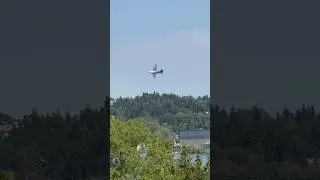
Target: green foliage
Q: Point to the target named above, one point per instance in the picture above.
(159, 164)
(7, 175)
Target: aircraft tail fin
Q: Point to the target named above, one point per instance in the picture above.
(161, 71)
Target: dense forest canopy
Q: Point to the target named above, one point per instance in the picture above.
(180, 112)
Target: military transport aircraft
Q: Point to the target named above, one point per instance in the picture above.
(154, 72)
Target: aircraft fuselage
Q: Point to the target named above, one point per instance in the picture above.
(156, 72)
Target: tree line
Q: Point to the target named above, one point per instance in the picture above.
(251, 144)
(55, 146)
(179, 112)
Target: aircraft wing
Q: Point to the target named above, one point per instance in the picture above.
(155, 67)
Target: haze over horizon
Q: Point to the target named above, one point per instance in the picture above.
(161, 94)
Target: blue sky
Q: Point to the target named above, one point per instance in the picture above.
(173, 34)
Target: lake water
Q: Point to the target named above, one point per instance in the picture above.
(204, 157)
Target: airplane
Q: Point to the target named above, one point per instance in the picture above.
(154, 72)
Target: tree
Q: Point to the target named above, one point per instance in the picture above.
(159, 164)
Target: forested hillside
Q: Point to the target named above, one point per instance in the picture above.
(180, 112)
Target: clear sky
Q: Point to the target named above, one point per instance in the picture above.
(171, 33)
